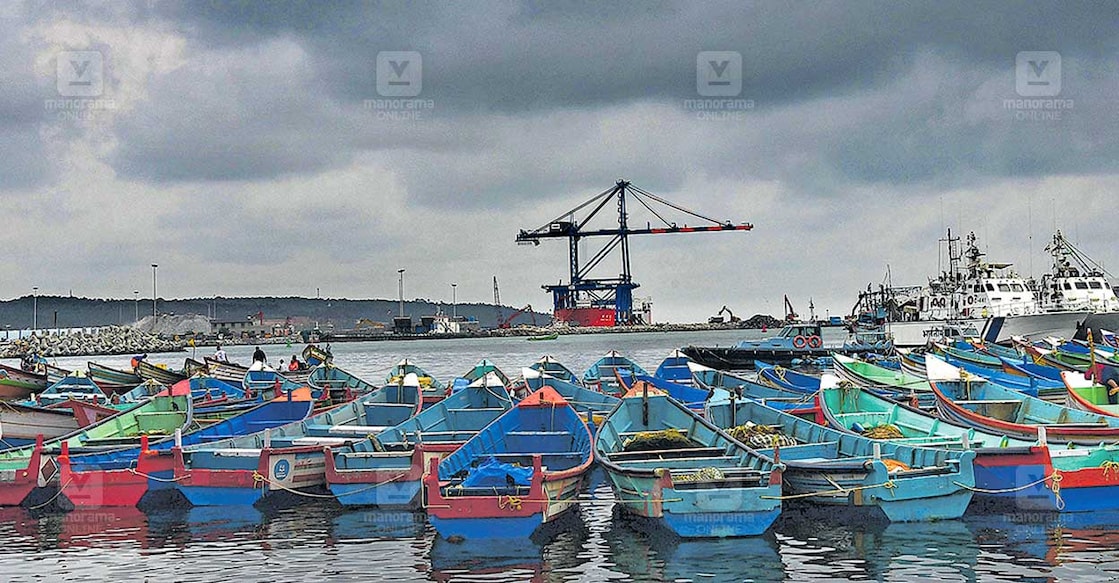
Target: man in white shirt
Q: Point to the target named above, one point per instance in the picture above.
(219, 355)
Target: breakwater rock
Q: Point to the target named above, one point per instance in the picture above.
(174, 324)
(106, 340)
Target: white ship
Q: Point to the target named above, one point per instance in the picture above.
(1076, 282)
(981, 297)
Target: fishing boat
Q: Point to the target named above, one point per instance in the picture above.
(586, 402)
(25, 468)
(829, 467)
(692, 397)
(789, 399)
(675, 368)
(780, 377)
(482, 369)
(972, 401)
(313, 355)
(77, 387)
(112, 380)
(338, 384)
(244, 470)
(865, 374)
(603, 374)
(122, 477)
(1087, 395)
(519, 473)
(229, 372)
(666, 463)
(19, 384)
(387, 469)
(543, 337)
(21, 424)
(433, 390)
(555, 369)
(1006, 468)
(158, 372)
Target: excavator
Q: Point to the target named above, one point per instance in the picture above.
(718, 318)
(507, 322)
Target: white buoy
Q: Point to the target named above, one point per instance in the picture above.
(1041, 438)
(179, 437)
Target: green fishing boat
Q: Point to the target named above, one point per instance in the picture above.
(22, 469)
(1086, 395)
(867, 375)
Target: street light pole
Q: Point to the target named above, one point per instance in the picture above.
(154, 266)
(401, 285)
(35, 308)
(454, 301)
(136, 298)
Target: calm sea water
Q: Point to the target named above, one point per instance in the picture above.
(320, 541)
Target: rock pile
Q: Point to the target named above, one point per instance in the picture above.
(174, 325)
(107, 340)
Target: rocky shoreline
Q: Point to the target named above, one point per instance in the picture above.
(106, 340)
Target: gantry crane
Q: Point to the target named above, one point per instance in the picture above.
(608, 301)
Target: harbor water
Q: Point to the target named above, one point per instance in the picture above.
(317, 540)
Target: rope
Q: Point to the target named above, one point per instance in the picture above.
(157, 479)
(1055, 478)
(888, 484)
(52, 498)
(1110, 467)
(512, 503)
(261, 479)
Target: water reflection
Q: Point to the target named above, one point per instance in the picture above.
(647, 552)
(488, 559)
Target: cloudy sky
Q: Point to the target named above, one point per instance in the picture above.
(249, 148)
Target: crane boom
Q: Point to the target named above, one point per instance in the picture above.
(608, 301)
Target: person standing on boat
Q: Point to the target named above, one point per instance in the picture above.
(294, 365)
(258, 356)
(136, 360)
(219, 355)
(1108, 376)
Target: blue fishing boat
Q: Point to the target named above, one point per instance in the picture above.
(142, 391)
(692, 397)
(521, 472)
(1029, 384)
(674, 368)
(387, 469)
(431, 388)
(74, 386)
(603, 374)
(244, 470)
(791, 400)
(585, 401)
(706, 485)
(482, 369)
(786, 378)
(122, 477)
(829, 467)
(337, 384)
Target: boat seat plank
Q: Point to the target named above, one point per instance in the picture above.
(661, 453)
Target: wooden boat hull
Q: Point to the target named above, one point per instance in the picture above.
(147, 370)
(743, 498)
(123, 477)
(501, 516)
(832, 468)
(21, 424)
(112, 380)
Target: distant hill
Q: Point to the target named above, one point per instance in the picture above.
(71, 312)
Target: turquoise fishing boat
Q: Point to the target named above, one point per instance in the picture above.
(830, 467)
(585, 401)
(706, 485)
(1028, 475)
(603, 374)
(430, 387)
(975, 402)
(555, 369)
(674, 368)
(387, 469)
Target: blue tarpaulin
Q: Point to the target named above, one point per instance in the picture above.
(494, 474)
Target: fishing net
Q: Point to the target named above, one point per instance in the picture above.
(894, 465)
(702, 475)
(884, 431)
(760, 436)
(656, 440)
